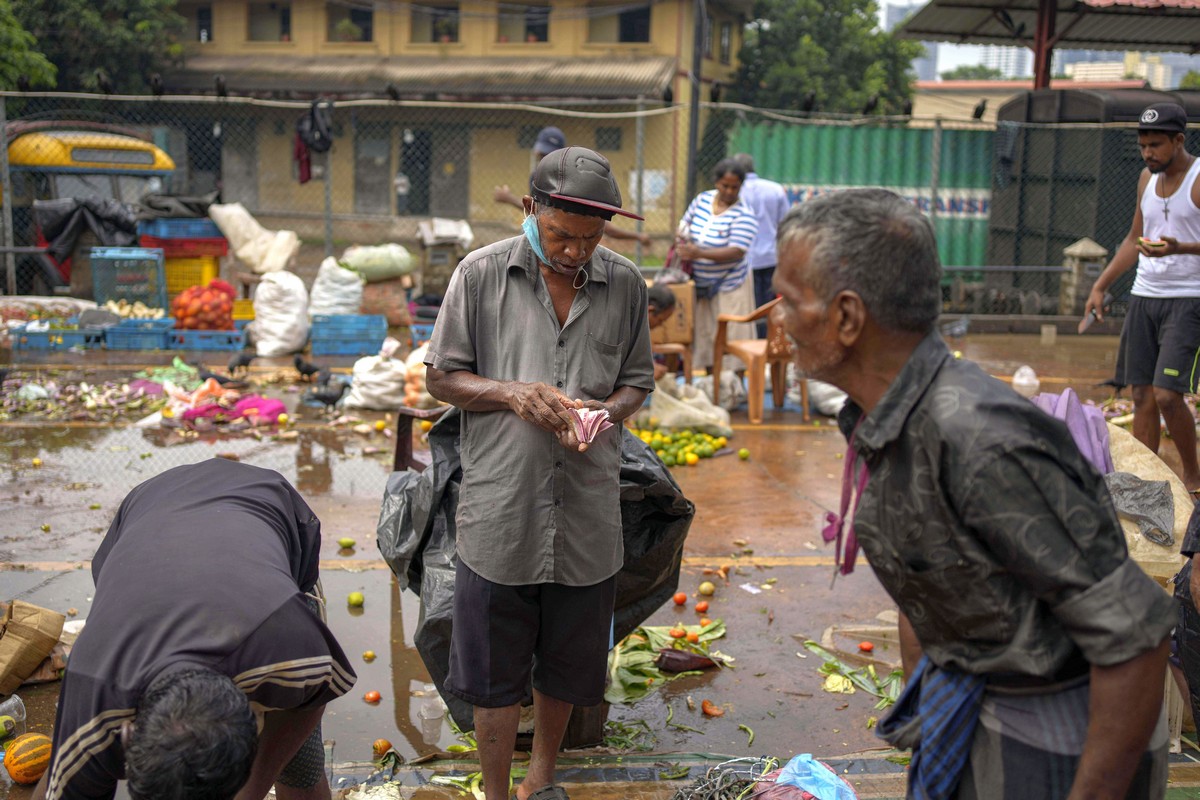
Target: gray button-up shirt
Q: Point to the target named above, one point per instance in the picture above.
(991, 531)
(531, 511)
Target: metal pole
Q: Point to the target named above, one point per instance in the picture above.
(329, 202)
(10, 260)
(640, 135)
(694, 102)
(935, 172)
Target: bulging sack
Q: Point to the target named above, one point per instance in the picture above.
(280, 322)
(336, 290)
(377, 383)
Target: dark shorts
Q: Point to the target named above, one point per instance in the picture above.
(1160, 344)
(503, 634)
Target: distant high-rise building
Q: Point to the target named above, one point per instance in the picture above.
(1012, 62)
(925, 66)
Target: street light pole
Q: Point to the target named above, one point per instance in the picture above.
(694, 108)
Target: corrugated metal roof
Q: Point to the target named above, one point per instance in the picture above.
(422, 76)
(1164, 25)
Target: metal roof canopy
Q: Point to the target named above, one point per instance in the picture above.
(1042, 25)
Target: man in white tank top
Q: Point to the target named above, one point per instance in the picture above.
(1160, 343)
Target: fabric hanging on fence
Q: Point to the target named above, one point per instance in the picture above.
(303, 158)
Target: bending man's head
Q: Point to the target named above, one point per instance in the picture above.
(194, 738)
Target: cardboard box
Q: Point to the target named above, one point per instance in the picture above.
(679, 326)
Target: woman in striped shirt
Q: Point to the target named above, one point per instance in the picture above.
(714, 235)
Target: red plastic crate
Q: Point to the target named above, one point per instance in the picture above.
(186, 248)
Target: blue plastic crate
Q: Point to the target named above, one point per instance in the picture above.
(57, 338)
(130, 273)
(347, 346)
(420, 332)
(180, 228)
(164, 324)
(332, 326)
(120, 337)
(180, 339)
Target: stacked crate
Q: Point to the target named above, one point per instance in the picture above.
(348, 334)
(192, 249)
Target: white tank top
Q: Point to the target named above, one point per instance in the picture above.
(1178, 217)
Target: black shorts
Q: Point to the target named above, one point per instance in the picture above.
(503, 634)
(1160, 344)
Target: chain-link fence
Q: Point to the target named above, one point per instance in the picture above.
(1008, 201)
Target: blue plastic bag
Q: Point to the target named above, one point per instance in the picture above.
(805, 772)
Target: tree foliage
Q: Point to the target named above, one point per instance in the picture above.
(973, 72)
(124, 41)
(1191, 80)
(833, 49)
(19, 55)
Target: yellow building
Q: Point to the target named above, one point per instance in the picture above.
(408, 82)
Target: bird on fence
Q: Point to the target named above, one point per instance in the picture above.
(980, 107)
(872, 104)
(810, 103)
(906, 109)
(668, 96)
(241, 362)
(957, 329)
(219, 84)
(103, 83)
(328, 395)
(156, 85)
(306, 368)
(23, 83)
(393, 91)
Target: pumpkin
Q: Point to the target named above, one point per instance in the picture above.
(27, 757)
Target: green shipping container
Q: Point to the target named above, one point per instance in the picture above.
(810, 160)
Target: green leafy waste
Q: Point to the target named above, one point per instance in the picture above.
(631, 664)
(865, 678)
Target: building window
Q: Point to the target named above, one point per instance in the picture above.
(608, 139)
(349, 24)
(708, 36)
(204, 29)
(726, 45)
(270, 22)
(630, 25)
(435, 22)
(523, 23)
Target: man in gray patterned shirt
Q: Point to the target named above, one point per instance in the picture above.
(978, 514)
(531, 329)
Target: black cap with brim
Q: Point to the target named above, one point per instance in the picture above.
(1165, 117)
(580, 181)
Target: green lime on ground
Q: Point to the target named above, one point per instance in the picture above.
(744, 454)
(345, 541)
(355, 599)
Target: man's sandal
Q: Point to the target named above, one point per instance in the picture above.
(550, 793)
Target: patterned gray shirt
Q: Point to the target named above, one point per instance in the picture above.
(530, 510)
(991, 532)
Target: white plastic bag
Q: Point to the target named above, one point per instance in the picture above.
(336, 290)
(280, 315)
(379, 262)
(262, 250)
(733, 392)
(681, 406)
(377, 383)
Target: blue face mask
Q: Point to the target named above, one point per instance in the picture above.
(534, 237)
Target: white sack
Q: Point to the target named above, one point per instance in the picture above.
(336, 290)
(377, 383)
(280, 322)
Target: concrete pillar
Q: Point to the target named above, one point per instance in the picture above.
(1083, 262)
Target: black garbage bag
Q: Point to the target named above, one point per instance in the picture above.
(61, 221)
(416, 535)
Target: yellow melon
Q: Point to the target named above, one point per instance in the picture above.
(27, 757)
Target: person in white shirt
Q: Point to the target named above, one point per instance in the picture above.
(770, 203)
(1159, 353)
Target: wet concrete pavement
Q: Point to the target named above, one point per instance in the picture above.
(773, 502)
